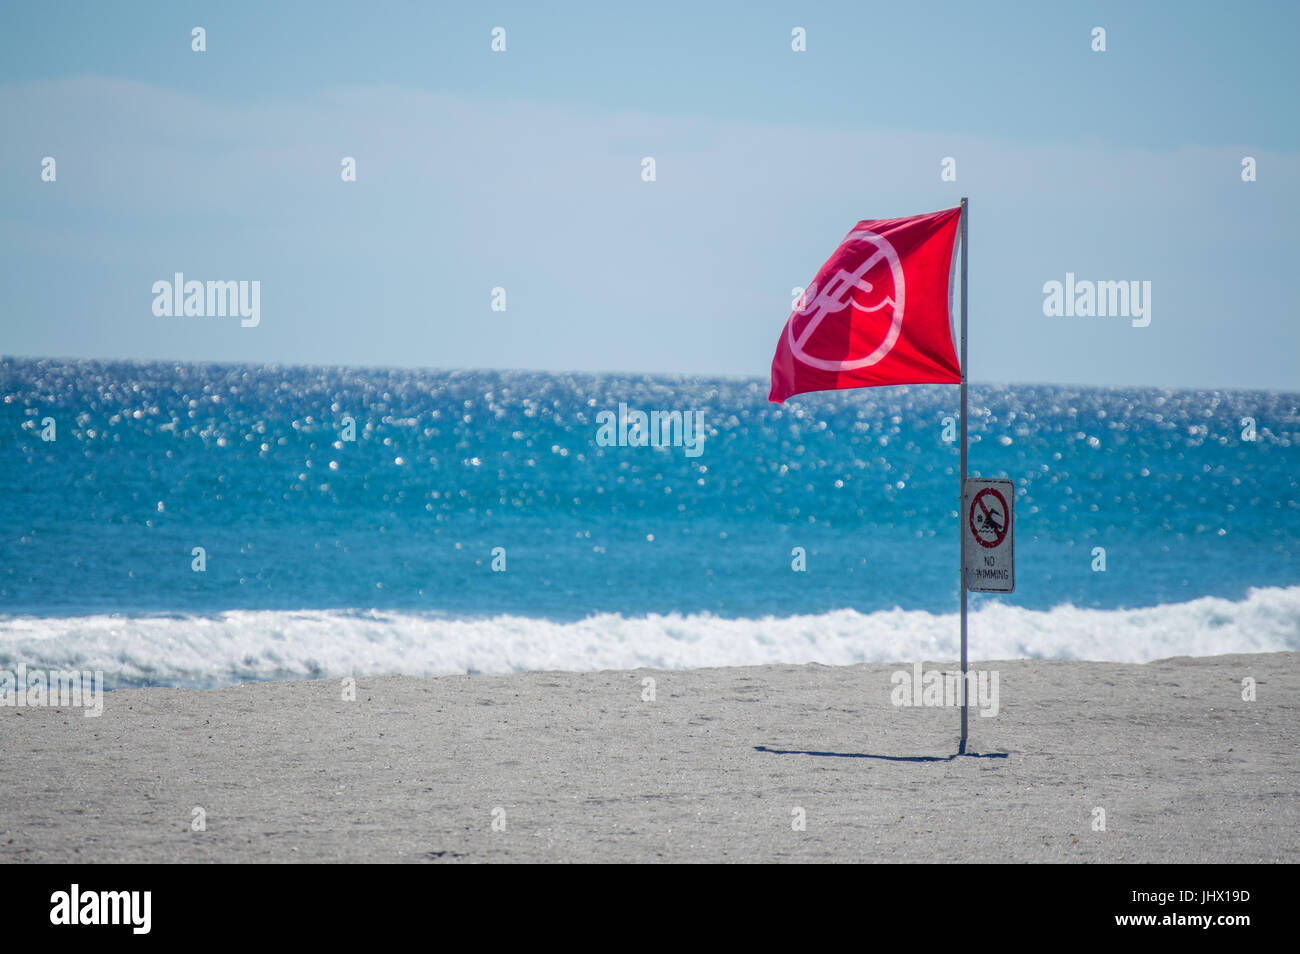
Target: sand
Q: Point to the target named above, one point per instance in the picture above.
(577, 767)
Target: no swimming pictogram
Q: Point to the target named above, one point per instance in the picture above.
(989, 518)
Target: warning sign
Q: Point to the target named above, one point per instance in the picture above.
(988, 551)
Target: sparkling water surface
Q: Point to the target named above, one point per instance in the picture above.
(154, 459)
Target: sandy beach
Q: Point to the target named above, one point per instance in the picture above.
(719, 766)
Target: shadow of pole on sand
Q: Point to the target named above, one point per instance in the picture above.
(885, 758)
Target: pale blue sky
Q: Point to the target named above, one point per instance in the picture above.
(522, 170)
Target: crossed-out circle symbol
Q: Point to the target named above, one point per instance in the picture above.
(988, 521)
(828, 300)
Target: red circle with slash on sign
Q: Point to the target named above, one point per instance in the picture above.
(991, 527)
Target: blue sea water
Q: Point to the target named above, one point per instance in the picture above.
(327, 556)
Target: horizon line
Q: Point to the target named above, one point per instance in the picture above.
(68, 359)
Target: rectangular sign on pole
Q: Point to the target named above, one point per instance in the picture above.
(988, 535)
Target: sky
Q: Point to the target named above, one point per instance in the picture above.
(522, 170)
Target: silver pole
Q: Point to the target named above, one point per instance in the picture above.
(961, 493)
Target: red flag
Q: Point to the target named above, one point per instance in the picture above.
(877, 312)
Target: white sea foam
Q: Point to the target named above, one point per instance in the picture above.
(258, 645)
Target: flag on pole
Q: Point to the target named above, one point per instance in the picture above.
(877, 312)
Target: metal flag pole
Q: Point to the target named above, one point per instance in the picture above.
(961, 493)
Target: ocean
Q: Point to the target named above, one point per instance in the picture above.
(208, 524)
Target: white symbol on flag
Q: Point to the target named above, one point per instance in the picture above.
(838, 295)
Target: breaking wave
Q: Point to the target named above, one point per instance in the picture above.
(255, 645)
